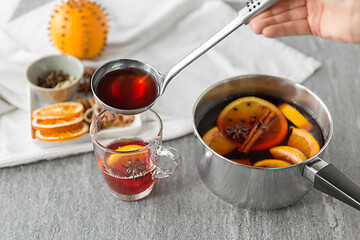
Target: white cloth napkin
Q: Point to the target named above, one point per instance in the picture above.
(157, 32)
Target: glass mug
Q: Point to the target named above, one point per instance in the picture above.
(129, 157)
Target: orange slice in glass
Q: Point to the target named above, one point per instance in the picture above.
(62, 135)
(117, 160)
(271, 163)
(289, 154)
(246, 112)
(295, 117)
(303, 141)
(57, 124)
(218, 142)
(59, 110)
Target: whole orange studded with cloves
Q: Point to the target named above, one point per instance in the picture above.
(79, 28)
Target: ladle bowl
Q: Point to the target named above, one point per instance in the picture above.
(124, 64)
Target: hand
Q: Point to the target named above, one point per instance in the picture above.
(329, 19)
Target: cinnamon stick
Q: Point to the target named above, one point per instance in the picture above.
(257, 130)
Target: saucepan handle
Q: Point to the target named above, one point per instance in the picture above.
(330, 180)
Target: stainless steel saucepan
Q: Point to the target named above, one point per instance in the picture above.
(266, 188)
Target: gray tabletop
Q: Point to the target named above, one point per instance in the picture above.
(67, 198)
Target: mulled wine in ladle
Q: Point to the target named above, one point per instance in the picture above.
(128, 86)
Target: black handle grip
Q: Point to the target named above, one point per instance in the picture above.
(334, 183)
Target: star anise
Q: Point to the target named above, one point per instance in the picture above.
(135, 168)
(238, 132)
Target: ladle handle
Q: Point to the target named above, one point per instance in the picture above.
(253, 8)
(330, 180)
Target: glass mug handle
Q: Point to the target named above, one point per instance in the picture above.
(169, 154)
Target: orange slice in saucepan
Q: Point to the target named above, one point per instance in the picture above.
(62, 135)
(57, 124)
(289, 154)
(261, 123)
(59, 110)
(218, 142)
(295, 117)
(271, 163)
(303, 141)
(242, 161)
(117, 160)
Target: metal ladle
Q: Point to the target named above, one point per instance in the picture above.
(251, 9)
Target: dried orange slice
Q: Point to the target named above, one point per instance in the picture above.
(261, 119)
(295, 117)
(117, 160)
(57, 124)
(271, 163)
(218, 142)
(289, 154)
(58, 110)
(303, 141)
(62, 135)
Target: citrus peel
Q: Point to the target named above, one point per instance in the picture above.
(242, 161)
(58, 110)
(62, 135)
(295, 117)
(271, 163)
(116, 160)
(245, 113)
(289, 154)
(79, 28)
(57, 124)
(218, 142)
(303, 141)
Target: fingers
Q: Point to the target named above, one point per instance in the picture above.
(298, 27)
(283, 6)
(281, 22)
